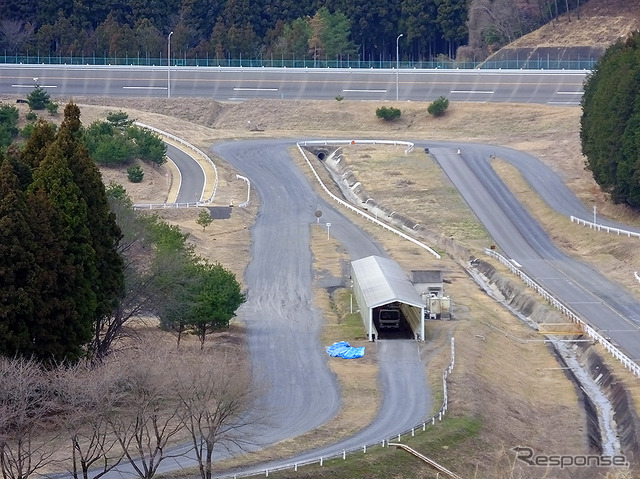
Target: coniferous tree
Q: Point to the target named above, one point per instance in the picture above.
(35, 149)
(67, 302)
(610, 123)
(17, 264)
(22, 171)
(104, 233)
(38, 98)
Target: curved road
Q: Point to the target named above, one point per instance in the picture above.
(600, 302)
(192, 180)
(284, 325)
(281, 318)
(603, 304)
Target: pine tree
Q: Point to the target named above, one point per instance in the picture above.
(38, 98)
(104, 233)
(17, 264)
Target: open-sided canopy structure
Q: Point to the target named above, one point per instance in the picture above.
(381, 281)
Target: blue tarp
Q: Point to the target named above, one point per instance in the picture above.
(342, 349)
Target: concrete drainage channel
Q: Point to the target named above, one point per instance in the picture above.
(613, 427)
(612, 424)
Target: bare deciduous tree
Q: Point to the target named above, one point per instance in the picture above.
(147, 420)
(87, 397)
(215, 400)
(25, 408)
(15, 33)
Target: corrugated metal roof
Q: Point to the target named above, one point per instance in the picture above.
(383, 281)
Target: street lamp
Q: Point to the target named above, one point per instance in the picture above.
(398, 63)
(169, 66)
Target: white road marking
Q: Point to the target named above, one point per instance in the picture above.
(481, 92)
(144, 87)
(33, 86)
(365, 91)
(255, 89)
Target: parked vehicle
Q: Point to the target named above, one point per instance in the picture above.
(389, 318)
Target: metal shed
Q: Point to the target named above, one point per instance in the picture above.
(381, 281)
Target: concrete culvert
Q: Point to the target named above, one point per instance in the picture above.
(321, 155)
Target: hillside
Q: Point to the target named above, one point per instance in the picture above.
(574, 40)
(597, 23)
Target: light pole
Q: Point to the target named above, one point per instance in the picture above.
(398, 64)
(169, 66)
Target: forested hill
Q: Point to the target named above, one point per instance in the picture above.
(365, 30)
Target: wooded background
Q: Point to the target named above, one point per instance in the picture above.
(365, 30)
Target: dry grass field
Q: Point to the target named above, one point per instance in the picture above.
(505, 376)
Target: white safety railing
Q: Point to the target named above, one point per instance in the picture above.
(588, 330)
(608, 229)
(202, 202)
(246, 180)
(353, 208)
(168, 206)
(438, 416)
(409, 145)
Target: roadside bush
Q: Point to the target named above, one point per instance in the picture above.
(438, 107)
(135, 174)
(119, 119)
(38, 98)
(52, 108)
(388, 113)
(149, 146)
(112, 150)
(31, 116)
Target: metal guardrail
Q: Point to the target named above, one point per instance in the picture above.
(202, 202)
(384, 442)
(588, 330)
(351, 207)
(608, 229)
(408, 144)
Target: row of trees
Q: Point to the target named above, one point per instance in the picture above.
(117, 141)
(60, 271)
(77, 262)
(264, 29)
(132, 409)
(165, 277)
(610, 124)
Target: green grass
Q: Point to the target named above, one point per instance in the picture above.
(440, 442)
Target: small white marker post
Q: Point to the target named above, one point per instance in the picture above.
(328, 226)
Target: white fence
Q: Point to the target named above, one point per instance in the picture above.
(409, 145)
(588, 330)
(608, 229)
(351, 207)
(384, 442)
(202, 201)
